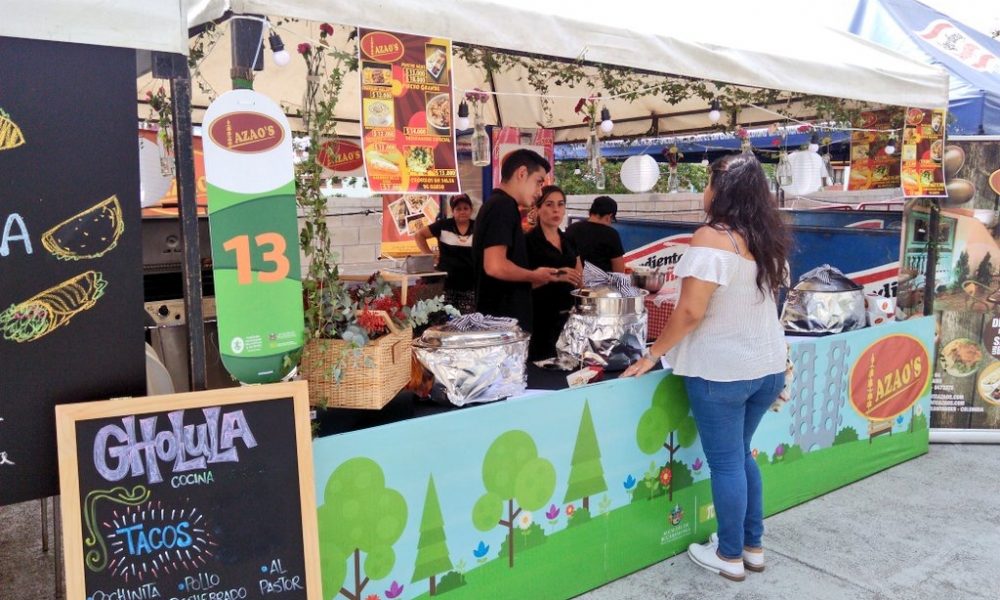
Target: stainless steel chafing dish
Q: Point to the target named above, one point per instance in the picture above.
(475, 366)
(605, 300)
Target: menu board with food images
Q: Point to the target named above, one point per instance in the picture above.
(205, 495)
(923, 152)
(70, 251)
(871, 166)
(406, 113)
(402, 217)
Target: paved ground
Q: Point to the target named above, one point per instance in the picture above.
(927, 529)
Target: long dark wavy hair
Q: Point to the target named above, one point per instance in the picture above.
(742, 201)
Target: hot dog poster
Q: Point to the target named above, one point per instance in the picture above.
(71, 326)
(923, 153)
(406, 113)
(872, 166)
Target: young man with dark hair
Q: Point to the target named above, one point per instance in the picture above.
(504, 279)
(596, 240)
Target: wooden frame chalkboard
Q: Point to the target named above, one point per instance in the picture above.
(178, 495)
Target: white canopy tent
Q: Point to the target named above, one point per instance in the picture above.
(755, 45)
(751, 43)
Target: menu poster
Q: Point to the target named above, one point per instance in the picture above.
(201, 495)
(406, 113)
(402, 217)
(508, 139)
(923, 153)
(71, 324)
(871, 167)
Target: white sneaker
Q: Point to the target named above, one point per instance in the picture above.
(753, 561)
(705, 555)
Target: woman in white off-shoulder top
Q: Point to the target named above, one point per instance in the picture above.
(725, 340)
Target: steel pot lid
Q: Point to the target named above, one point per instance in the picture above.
(601, 291)
(440, 336)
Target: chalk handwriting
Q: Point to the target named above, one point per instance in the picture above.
(122, 450)
(9, 235)
(4, 459)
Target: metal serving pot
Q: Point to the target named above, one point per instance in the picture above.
(648, 279)
(605, 300)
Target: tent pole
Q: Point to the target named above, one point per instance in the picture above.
(176, 68)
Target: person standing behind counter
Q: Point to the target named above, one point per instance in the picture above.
(454, 236)
(596, 240)
(503, 274)
(725, 341)
(548, 246)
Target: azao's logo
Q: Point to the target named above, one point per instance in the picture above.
(340, 156)
(246, 132)
(382, 46)
(889, 377)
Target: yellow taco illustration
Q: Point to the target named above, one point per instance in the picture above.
(10, 133)
(89, 234)
(43, 313)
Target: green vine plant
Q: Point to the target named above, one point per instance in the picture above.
(542, 73)
(326, 70)
(201, 47)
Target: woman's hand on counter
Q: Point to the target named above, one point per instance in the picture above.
(571, 276)
(639, 367)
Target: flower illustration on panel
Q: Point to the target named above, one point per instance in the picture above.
(481, 551)
(394, 590)
(525, 520)
(629, 482)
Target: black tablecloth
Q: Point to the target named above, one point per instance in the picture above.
(407, 405)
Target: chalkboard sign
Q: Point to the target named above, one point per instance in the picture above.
(190, 496)
(71, 322)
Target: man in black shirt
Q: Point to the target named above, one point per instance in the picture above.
(596, 240)
(504, 277)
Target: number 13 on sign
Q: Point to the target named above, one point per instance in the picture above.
(275, 255)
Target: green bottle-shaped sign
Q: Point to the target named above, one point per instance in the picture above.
(252, 217)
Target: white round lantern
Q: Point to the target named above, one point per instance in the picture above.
(640, 173)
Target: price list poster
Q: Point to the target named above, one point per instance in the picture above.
(406, 113)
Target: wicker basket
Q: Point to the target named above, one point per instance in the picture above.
(371, 387)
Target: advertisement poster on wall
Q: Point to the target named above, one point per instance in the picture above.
(872, 167)
(922, 153)
(508, 139)
(406, 109)
(403, 215)
(961, 234)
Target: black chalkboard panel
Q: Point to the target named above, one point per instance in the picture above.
(175, 496)
(71, 325)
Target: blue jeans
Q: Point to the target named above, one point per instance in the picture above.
(727, 414)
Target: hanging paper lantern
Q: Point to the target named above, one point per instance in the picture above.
(640, 173)
(153, 184)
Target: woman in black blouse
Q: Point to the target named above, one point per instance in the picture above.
(548, 246)
(455, 253)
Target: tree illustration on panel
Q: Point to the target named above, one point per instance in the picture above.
(432, 548)
(515, 475)
(586, 476)
(359, 515)
(667, 423)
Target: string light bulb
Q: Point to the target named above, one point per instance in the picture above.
(462, 122)
(704, 159)
(606, 123)
(890, 147)
(715, 111)
(281, 56)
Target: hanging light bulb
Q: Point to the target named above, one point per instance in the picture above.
(715, 111)
(704, 159)
(462, 122)
(281, 56)
(890, 146)
(606, 123)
